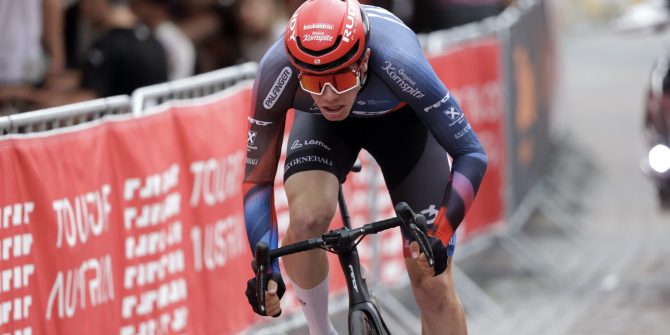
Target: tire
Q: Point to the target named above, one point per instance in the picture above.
(360, 324)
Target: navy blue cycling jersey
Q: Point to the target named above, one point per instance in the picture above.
(398, 75)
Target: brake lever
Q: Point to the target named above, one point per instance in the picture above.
(412, 221)
(261, 263)
(421, 238)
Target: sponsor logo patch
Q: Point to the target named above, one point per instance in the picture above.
(308, 159)
(251, 140)
(437, 104)
(258, 122)
(403, 80)
(277, 88)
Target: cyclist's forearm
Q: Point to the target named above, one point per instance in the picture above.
(259, 216)
(464, 183)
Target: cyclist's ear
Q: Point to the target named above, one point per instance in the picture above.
(364, 62)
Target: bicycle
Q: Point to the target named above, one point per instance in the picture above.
(364, 315)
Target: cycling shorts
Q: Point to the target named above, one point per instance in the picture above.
(415, 167)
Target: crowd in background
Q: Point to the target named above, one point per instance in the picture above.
(55, 52)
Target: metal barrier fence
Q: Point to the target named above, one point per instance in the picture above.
(193, 87)
(64, 116)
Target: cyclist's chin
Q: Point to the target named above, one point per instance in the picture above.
(336, 115)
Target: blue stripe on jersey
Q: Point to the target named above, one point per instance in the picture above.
(258, 219)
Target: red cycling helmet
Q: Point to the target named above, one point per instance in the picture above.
(325, 36)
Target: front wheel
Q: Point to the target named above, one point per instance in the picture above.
(360, 324)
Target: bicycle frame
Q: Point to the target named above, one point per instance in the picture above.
(343, 242)
(359, 294)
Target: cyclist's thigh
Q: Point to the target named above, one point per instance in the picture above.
(318, 144)
(415, 167)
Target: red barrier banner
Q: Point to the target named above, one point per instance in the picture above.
(132, 226)
(471, 71)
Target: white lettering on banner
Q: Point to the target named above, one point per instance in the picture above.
(482, 103)
(404, 81)
(153, 214)
(221, 241)
(16, 246)
(154, 185)
(69, 291)
(15, 278)
(174, 321)
(153, 242)
(88, 218)
(150, 272)
(278, 87)
(16, 214)
(217, 180)
(16, 309)
(154, 258)
(165, 295)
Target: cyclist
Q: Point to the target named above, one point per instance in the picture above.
(357, 79)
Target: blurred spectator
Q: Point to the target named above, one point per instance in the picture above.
(459, 12)
(210, 24)
(79, 35)
(26, 27)
(261, 22)
(430, 15)
(179, 49)
(124, 58)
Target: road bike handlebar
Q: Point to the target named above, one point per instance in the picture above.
(342, 239)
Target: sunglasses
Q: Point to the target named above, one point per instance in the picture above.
(340, 82)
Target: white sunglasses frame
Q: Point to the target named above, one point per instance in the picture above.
(358, 84)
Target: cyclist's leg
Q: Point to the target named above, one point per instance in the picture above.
(318, 158)
(416, 170)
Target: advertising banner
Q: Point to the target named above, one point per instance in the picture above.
(133, 226)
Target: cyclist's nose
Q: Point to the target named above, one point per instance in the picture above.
(329, 94)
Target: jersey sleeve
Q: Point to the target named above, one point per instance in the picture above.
(397, 58)
(273, 91)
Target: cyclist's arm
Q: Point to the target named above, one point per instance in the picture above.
(400, 62)
(272, 95)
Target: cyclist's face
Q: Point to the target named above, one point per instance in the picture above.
(334, 106)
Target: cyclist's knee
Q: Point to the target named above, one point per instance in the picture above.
(435, 294)
(310, 221)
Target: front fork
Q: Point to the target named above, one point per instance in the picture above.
(359, 296)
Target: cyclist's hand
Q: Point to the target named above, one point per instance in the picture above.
(274, 293)
(421, 259)
(439, 254)
(272, 305)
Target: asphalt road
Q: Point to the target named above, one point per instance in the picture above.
(600, 265)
